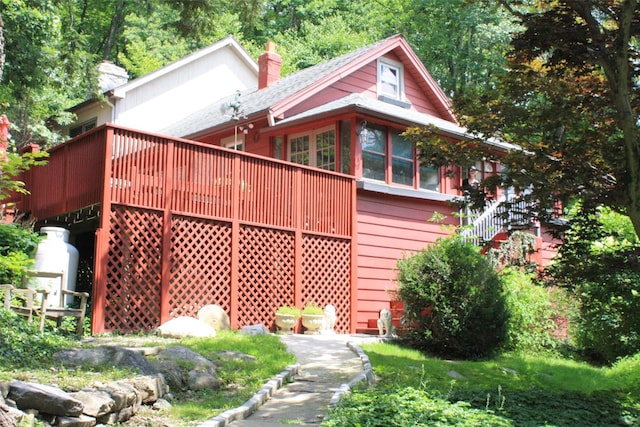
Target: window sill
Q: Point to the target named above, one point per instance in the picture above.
(379, 187)
(394, 101)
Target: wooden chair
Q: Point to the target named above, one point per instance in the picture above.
(41, 306)
(24, 302)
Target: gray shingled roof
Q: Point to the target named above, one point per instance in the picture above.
(375, 108)
(256, 101)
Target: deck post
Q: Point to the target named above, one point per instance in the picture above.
(353, 304)
(236, 182)
(297, 244)
(101, 253)
(165, 264)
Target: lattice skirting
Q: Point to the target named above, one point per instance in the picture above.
(200, 271)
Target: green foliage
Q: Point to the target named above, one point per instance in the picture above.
(522, 388)
(17, 245)
(22, 345)
(407, 407)
(453, 299)
(599, 263)
(312, 308)
(532, 313)
(288, 309)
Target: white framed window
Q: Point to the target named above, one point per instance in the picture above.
(390, 79)
(233, 143)
(316, 148)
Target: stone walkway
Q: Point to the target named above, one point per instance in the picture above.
(327, 366)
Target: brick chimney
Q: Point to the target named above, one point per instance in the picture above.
(269, 66)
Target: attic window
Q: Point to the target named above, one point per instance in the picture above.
(390, 79)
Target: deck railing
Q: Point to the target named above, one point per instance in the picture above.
(151, 171)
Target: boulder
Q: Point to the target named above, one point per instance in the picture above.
(96, 402)
(105, 355)
(215, 316)
(44, 398)
(182, 327)
(201, 372)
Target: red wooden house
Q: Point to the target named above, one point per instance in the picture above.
(315, 198)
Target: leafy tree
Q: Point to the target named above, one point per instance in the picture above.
(570, 102)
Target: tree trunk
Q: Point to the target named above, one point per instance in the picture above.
(115, 24)
(1, 49)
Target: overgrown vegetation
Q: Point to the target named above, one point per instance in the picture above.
(18, 242)
(453, 297)
(599, 263)
(26, 354)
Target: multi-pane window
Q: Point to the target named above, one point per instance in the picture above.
(300, 150)
(317, 149)
(402, 160)
(389, 157)
(390, 79)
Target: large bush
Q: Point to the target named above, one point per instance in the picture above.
(599, 263)
(532, 312)
(17, 244)
(453, 298)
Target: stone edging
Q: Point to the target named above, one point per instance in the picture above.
(258, 399)
(265, 393)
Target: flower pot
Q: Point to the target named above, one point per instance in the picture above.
(313, 323)
(286, 322)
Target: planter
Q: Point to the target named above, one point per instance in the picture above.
(313, 323)
(286, 322)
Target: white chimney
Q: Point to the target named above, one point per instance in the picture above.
(111, 76)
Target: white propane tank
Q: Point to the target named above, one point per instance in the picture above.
(54, 255)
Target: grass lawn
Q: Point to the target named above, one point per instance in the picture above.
(509, 390)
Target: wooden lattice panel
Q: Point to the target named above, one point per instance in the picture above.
(266, 274)
(133, 270)
(326, 276)
(200, 265)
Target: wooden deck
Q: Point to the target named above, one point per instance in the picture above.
(183, 224)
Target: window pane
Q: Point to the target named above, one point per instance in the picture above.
(345, 146)
(277, 147)
(401, 147)
(402, 171)
(374, 140)
(300, 150)
(326, 150)
(429, 178)
(373, 166)
(389, 81)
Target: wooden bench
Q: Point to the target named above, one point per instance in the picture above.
(32, 303)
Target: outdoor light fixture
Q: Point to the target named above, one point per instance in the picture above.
(363, 132)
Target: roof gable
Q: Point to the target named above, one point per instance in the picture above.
(229, 41)
(283, 95)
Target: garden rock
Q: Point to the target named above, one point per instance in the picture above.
(96, 403)
(254, 330)
(105, 355)
(183, 327)
(44, 398)
(215, 316)
(81, 421)
(202, 371)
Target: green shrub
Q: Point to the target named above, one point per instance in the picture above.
(531, 325)
(17, 244)
(454, 304)
(21, 344)
(599, 263)
(608, 326)
(407, 407)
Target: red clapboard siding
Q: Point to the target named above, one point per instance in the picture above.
(389, 227)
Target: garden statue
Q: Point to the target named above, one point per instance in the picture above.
(329, 319)
(385, 325)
